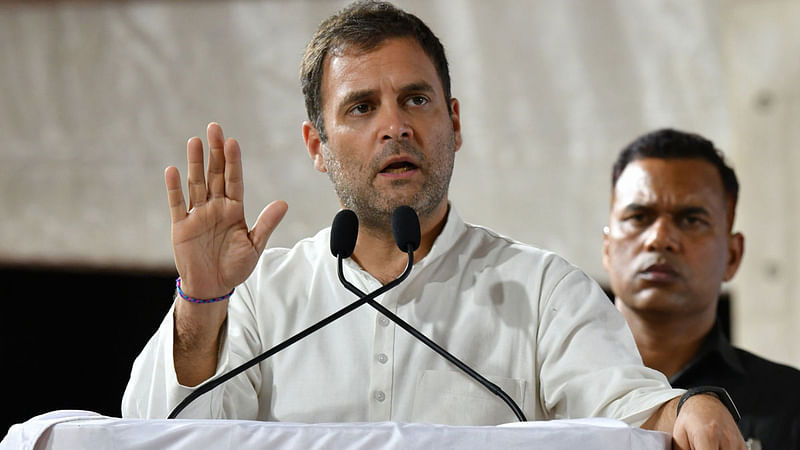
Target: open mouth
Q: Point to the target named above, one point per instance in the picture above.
(399, 167)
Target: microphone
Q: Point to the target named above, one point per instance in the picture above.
(344, 232)
(406, 231)
(405, 228)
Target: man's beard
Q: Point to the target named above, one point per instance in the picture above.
(374, 208)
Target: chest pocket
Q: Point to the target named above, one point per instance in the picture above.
(453, 398)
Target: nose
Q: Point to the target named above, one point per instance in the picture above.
(662, 236)
(394, 124)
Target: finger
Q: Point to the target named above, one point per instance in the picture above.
(234, 185)
(680, 445)
(216, 161)
(703, 441)
(266, 223)
(680, 440)
(195, 180)
(177, 206)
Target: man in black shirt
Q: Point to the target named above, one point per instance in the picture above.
(667, 249)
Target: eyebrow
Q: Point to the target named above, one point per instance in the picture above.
(682, 210)
(420, 86)
(356, 97)
(693, 211)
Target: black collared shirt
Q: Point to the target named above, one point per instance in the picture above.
(767, 394)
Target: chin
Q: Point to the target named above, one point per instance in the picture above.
(659, 301)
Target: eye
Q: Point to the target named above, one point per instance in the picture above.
(359, 109)
(417, 100)
(636, 218)
(693, 222)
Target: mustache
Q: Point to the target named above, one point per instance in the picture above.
(396, 148)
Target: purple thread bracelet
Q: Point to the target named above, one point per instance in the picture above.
(200, 300)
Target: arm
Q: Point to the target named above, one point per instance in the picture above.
(704, 423)
(587, 359)
(214, 249)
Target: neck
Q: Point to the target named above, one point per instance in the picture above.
(667, 342)
(377, 253)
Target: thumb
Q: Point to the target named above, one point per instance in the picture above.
(266, 223)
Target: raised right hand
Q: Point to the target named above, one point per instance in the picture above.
(214, 249)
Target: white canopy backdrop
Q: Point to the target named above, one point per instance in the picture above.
(98, 97)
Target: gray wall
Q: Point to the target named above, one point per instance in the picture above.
(97, 98)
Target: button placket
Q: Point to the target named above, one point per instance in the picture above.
(382, 367)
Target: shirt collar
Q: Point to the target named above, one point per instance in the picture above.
(453, 229)
(715, 343)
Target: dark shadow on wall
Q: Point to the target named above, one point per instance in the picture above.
(69, 336)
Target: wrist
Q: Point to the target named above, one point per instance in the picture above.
(720, 393)
(192, 299)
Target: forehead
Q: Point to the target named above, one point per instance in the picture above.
(670, 183)
(394, 63)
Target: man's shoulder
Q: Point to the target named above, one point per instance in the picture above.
(310, 250)
(482, 237)
(772, 379)
(761, 367)
(486, 246)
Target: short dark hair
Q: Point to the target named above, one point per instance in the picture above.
(668, 143)
(364, 25)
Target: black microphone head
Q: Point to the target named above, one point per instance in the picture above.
(344, 232)
(405, 228)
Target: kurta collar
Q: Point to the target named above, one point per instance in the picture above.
(452, 231)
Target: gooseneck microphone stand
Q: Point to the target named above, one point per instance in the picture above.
(495, 389)
(405, 227)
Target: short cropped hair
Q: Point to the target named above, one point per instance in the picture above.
(363, 26)
(668, 143)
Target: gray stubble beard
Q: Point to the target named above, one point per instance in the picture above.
(374, 210)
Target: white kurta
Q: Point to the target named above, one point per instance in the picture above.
(524, 318)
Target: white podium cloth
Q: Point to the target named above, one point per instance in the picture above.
(86, 430)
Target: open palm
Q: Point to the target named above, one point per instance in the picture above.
(214, 249)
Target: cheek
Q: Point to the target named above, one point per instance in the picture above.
(621, 265)
(621, 253)
(349, 152)
(708, 262)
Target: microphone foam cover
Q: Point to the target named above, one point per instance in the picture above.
(405, 228)
(344, 232)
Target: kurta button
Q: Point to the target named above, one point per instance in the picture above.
(382, 358)
(383, 321)
(380, 396)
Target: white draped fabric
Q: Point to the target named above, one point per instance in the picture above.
(62, 430)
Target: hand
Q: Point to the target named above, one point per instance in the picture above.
(705, 423)
(213, 248)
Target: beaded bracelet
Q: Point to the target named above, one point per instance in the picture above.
(200, 300)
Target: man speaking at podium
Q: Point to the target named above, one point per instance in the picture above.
(383, 125)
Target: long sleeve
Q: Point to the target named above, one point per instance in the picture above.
(153, 390)
(588, 361)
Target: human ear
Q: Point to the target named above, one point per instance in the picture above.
(455, 117)
(313, 143)
(735, 253)
(605, 247)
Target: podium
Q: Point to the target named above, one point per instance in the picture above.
(67, 429)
